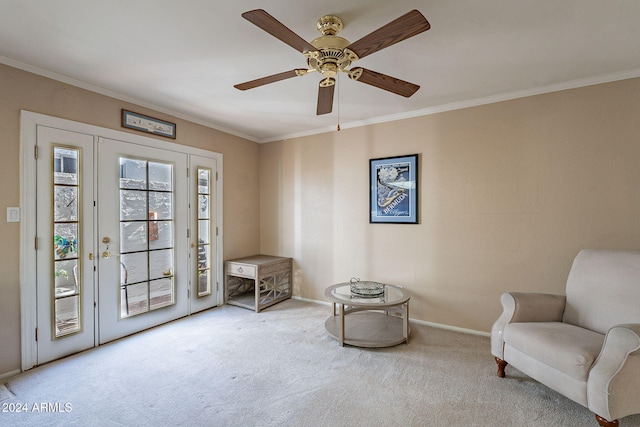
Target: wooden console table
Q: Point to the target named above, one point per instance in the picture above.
(258, 281)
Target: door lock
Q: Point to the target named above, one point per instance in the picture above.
(106, 240)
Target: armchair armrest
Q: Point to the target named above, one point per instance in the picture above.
(525, 307)
(614, 376)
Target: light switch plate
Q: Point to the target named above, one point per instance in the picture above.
(13, 214)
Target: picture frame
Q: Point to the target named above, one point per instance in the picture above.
(147, 124)
(393, 190)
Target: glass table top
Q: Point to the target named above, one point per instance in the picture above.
(341, 293)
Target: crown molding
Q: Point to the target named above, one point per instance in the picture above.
(112, 94)
(507, 96)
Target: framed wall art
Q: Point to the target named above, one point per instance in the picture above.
(148, 124)
(393, 192)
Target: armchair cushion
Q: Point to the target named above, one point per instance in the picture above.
(567, 348)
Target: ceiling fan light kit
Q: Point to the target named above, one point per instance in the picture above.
(331, 54)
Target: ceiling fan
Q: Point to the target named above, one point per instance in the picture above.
(330, 54)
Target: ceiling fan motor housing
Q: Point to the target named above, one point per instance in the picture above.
(331, 57)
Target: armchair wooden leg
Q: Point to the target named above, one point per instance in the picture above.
(606, 423)
(501, 365)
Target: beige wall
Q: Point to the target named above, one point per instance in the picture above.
(509, 193)
(21, 90)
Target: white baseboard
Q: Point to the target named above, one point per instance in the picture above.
(419, 322)
(451, 328)
(9, 374)
(314, 301)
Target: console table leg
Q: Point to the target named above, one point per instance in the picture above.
(342, 325)
(405, 323)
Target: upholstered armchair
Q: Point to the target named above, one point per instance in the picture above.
(585, 345)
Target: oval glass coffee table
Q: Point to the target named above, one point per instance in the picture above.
(381, 321)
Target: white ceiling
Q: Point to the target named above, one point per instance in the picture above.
(183, 57)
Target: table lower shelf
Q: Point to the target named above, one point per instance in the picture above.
(248, 300)
(368, 329)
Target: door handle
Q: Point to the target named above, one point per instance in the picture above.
(106, 254)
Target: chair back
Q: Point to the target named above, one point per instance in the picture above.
(603, 289)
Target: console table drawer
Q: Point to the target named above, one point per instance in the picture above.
(244, 270)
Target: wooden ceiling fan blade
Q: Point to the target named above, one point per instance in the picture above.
(277, 29)
(325, 98)
(270, 79)
(408, 25)
(382, 81)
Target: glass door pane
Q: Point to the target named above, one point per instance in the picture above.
(146, 236)
(67, 277)
(204, 237)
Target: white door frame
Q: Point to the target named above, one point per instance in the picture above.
(28, 140)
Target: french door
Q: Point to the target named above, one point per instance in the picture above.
(143, 214)
(65, 243)
(204, 233)
(127, 239)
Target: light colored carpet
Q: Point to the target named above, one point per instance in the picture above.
(232, 367)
